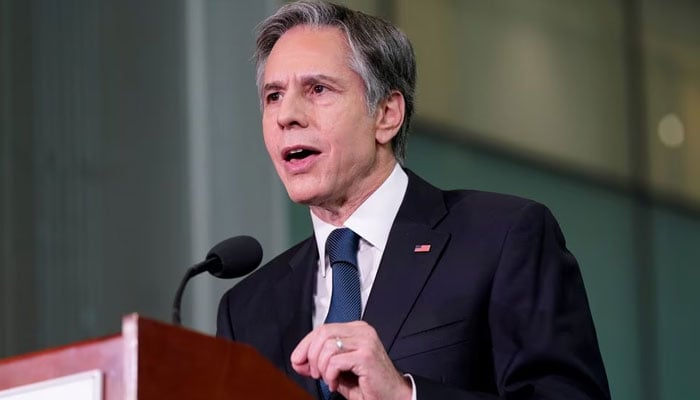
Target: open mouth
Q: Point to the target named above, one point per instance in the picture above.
(299, 153)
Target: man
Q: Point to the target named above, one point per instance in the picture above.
(462, 294)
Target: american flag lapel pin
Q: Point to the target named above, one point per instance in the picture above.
(421, 248)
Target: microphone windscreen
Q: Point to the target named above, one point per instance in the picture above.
(239, 256)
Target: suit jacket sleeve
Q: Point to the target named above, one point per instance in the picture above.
(543, 340)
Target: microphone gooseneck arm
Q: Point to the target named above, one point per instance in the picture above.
(193, 271)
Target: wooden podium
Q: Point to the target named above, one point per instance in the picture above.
(152, 360)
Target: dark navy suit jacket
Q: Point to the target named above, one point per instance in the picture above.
(495, 309)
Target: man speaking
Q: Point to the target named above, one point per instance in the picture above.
(403, 291)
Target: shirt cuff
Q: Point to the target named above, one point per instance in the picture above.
(413, 386)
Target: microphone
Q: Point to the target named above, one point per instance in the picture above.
(231, 258)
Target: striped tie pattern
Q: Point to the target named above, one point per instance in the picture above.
(346, 303)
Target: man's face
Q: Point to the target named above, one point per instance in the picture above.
(316, 125)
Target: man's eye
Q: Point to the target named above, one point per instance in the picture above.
(274, 96)
(318, 89)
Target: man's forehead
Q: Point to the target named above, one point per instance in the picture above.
(312, 36)
(308, 50)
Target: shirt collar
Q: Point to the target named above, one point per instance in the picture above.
(373, 219)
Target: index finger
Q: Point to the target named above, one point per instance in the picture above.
(300, 354)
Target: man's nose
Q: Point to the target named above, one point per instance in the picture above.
(292, 111)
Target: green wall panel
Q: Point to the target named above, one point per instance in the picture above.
(677, 277)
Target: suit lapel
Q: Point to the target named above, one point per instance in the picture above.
(294, 297)
(403, 271)
(401, 277)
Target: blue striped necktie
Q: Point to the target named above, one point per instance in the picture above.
(346, 303)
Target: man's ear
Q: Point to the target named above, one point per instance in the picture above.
(389, 117)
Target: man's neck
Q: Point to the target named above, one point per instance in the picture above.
(336, 213)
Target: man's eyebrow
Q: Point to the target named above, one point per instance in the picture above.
(276, 85)
(316, 78)
(306, 80)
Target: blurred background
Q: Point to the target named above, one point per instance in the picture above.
(131, 143)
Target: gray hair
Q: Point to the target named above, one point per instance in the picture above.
(380, 53)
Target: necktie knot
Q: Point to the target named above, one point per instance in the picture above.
(341, 246)
(346, 305)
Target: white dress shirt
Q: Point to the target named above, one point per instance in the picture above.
(371, 222)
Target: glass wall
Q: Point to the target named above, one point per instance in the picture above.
(542, 77)
(604, 87)
(670, 35)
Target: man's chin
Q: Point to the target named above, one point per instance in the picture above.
(303, 189)
(301, 197)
